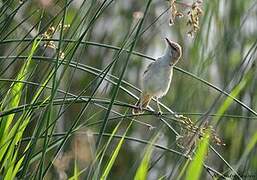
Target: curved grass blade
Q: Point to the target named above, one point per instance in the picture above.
(228, 101)
(8, 153)
(115, 92)
(142, 171)
(196, 166)
(115, 154)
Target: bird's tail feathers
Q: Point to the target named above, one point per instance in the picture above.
(141, 104)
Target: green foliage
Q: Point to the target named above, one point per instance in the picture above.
(228, 101)
(12, 135)
(196, 166)
(114, 154)
(142, 170)
(67, 90)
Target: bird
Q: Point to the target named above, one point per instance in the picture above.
(157, 77)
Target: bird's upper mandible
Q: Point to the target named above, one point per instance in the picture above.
(175, 48)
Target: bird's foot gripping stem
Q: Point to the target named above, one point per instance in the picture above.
(159, 113)
(137, 110)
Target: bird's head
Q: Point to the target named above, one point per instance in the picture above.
(174, 50)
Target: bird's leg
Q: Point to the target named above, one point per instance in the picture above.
(159, 108)
(140, 108)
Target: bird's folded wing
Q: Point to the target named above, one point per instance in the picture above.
(148, 67)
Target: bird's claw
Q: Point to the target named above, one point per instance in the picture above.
(137, 110)
(159, 113)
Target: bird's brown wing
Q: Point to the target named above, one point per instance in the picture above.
(148, 67)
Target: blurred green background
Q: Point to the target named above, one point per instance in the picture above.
(89, 64)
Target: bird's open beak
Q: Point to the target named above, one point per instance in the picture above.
(171, 44)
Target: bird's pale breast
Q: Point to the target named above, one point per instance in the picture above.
(156, 81)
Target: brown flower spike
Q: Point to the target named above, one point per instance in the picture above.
(174, 12)
(190, 133)
(193, 14)
(193, 17)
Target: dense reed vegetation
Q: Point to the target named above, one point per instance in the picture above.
(71, 73)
